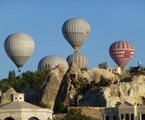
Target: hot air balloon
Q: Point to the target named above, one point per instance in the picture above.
(121, 52)
(76, 31)
(80, 60)
(50, 62)
(19, 47)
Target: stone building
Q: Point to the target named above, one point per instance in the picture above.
(125, 112)
(18, 109)
(121, 112)
(114, 69)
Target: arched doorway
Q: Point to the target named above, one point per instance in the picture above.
(9, 118)
(122, 117)
(143, 116)
(33, 118)
(126, 116)
(132, 116)
(114, 117)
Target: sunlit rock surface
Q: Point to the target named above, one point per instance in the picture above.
(96, 73)
(119, 93)
(6, 97)
(52, 84)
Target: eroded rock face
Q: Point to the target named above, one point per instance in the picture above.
(72, 76)
(130, 92)
(67, 92)
(60, 87)
(6, 97)
(95, 74)
(73, 73)
(52, 84)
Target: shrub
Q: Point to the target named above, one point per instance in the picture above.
(76, 114)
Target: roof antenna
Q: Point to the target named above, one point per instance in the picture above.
(139, 64)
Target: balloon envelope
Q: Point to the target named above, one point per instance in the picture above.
(76, 31)
(19, 47)
(50, 62)
(80, 60)
(121, 52)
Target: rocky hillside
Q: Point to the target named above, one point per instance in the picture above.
(95, 87)
(72, 87)
(98, 87)
(119, 93)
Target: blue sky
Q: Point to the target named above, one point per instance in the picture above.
(110, 20)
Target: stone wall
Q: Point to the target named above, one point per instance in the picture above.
(95, 112)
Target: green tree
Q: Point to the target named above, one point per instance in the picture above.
(103, 65)
(27, 79)
(61, 107)
(33, 80)
(104, 82)
(12, 76)
(4, 86)
(79, 89)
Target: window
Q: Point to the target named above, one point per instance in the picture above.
(132, 116)
(114, 117)
(107, 118)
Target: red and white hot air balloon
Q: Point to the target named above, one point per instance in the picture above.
(121, 52)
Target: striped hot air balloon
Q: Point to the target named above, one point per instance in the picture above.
(121, 52)
(76, 31)
(80, 60)
(19, 47)
(50, 62)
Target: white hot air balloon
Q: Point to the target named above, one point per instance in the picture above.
(19, 47)
(50, 62)
(80, 60)
(76, 31)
